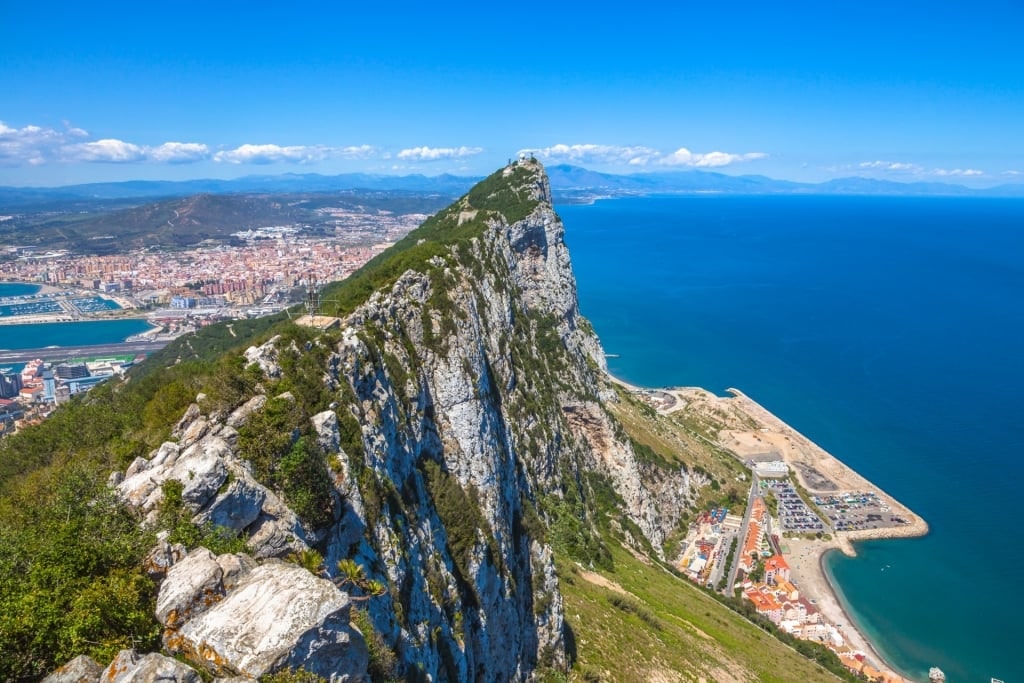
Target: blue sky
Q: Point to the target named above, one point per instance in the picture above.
(798, 90)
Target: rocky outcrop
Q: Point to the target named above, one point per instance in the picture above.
(277, 616)
(218, 486)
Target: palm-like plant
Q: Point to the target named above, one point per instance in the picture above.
(350, 573)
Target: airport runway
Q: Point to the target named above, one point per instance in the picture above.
(84, 351)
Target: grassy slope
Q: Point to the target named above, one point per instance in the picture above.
(667, 629)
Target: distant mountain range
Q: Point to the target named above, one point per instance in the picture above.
(570, 183)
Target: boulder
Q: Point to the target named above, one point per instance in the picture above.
(191, 586)
(327, 433)
(242, 413)
(235, 568)
(81, 669)
(162, 557)
(278, 617)
(131, 667)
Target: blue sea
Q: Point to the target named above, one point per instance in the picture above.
(14, 337)
(891, 332)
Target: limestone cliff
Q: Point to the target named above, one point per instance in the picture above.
(461, 413)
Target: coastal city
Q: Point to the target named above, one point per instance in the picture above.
(175, 292)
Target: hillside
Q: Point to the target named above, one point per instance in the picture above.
(445, 486)
(98, 226)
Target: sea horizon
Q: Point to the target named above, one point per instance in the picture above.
(880, 327)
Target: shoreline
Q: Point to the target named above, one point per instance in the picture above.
(806, 558)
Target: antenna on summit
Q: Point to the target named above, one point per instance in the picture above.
(312, 297)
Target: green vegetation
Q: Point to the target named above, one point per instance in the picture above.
(460, 513)
(661, 623)
(70, 577)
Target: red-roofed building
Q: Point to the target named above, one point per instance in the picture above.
(776, 569)
(766, 605)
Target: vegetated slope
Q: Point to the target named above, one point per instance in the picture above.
(448, 441)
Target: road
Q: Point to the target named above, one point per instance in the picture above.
(85, 351)
(755, 492)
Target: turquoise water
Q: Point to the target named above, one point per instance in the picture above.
(889, 330)
(14, 337)
(17, 289)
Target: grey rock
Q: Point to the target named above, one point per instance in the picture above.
(162, 557)
(131, 667)
(192, 413)
(235, 568)
(265, 356)
(81, 669)
(191, 586)
(327, 435)
(138, 465)
(237, 507)
(279, 616)
(242, 413)
(202, 469)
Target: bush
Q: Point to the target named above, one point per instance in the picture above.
(70, 574)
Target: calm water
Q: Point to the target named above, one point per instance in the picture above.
(63, 334)
(890, 331)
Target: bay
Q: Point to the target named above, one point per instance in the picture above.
(30, 336)
(888, 330)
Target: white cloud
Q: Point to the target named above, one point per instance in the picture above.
(684, 157)
(269, 154)
(636, 155)
(34, 145)
(891, 166)
(178, 152)
(108, 150)
(596, 154)
(1013, 172)
(355, 152)
(437, 153)
(958, 172)
(296, 154)
(915, 169)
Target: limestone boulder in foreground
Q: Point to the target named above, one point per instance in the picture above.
(278, 616)
(81, 669)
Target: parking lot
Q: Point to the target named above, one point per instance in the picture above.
(857, 510)
(794, 514)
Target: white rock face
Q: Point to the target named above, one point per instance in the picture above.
(278, 616)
